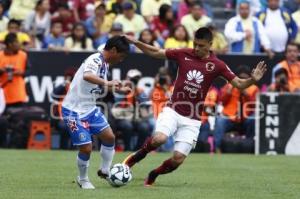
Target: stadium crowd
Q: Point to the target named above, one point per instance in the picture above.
(259, 26)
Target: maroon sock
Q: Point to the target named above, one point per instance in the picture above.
(148, 147)
(166, 167)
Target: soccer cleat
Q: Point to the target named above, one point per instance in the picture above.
(84, 183)
(103, 175)
(149, 181)
(134, 158)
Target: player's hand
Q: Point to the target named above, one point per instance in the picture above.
(259, 71)
(114, 84)
(125, 90)
(130, 39)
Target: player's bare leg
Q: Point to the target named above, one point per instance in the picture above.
(167, 166)
(83, 164)
(151, 144)
(107, 152)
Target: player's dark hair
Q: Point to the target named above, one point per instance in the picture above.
(119, 42)
(243, 69)
(10, 38)
(14, 21)
(204, 33)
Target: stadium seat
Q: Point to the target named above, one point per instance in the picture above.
(39, 135)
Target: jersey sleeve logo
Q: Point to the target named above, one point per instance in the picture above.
(195, 75)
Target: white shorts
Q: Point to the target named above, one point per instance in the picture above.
(183, 129)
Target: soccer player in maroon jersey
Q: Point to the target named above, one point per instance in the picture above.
(180, 118)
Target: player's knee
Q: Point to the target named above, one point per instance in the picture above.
(110, 139)
(159, 139)
(178, 158)
(86, 149)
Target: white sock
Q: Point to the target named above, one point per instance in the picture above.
(83, 168)
(107, 155)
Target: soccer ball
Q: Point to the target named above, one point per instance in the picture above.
(120, 175)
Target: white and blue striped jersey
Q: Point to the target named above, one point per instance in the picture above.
(82, 95)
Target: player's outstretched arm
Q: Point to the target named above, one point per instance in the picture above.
(147, 49)
(94, 79)
(256, 75)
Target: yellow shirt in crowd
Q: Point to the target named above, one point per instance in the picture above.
(192, 25)
(173, 43)
(69, 44)
(219, 42)
(248, 45)
(22, 37)
(135, 25)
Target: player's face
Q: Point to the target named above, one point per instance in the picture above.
(115, 57)
(201, 47)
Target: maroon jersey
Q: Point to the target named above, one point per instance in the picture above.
(194, 77)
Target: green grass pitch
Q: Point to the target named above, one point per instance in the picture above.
(51, 174)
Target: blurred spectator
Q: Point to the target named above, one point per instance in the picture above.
(3, 19)
(179, 38)
(291, 5)
(116, 6)
(132, 23)
(38, 22)
(64, 16)
(209, 114)
(128, 123)
(116, 29)
(54, 5)
(6, 5)
(20, 9)
(195, 19)
(160, 95)
(58, 94)
(55, 40)
(296, 17)
(147, 37)
(12, 69)
(150, 8)
(3, 131)
(279, 25)
(238, 109)
(162, 91)
(219, 44)
(254, 5)
(99, 24)
(163, 24)
(78, 41)
(281, 83)
(81, 9)
(246, 33)
(292, 65)
(14, 26)
(184, 9)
